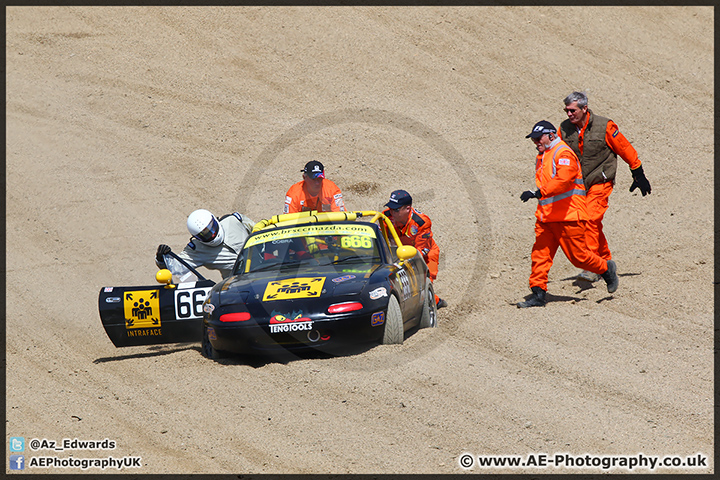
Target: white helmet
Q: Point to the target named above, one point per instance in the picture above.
(205, 227)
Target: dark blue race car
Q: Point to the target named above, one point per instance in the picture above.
(302, 281)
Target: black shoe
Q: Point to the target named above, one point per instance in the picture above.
(536, 300)
(611, 277)
(441, 303)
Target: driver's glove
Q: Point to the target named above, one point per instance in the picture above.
(159, 256)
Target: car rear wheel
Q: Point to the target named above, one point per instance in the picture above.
(394, 333)
(208, 351)
(429, 311)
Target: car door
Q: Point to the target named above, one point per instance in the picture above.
(153, 315)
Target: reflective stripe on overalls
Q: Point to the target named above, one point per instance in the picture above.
(565, 206)
(563, 196)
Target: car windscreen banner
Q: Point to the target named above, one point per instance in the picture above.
(311, 231)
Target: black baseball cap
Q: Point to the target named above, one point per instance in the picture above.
(399, 198)
(540, 129)
(314, 169)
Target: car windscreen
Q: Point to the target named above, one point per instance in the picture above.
(315, 244)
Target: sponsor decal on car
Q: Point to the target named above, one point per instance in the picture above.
(293, 322)
(307, 287)
(311, 230)
(290, 327)
(405, 282)
(343, 278)
(145, 332)
(107, 289)
(276, 317)
(142, 309)
(112, 300)
(378, 293)
(208, 308)
(364, 271)
(409, 281)
(211, 333)
(377, 318)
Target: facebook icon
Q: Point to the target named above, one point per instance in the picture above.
(17, 462)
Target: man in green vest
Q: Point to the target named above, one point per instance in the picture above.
(597, 142)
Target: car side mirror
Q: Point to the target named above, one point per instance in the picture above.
(406, 252)
(164, 276)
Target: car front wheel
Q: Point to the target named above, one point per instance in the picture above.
(208, 351)
(429, 311)
(394, 333)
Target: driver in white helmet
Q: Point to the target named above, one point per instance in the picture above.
(215, 244)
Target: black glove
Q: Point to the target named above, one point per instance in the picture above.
(640, 181)
(162, 250)
(528, 194)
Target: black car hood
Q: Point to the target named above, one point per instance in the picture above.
(295, 284)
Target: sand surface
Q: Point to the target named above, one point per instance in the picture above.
(123, 120)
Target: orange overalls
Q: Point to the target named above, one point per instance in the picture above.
(329, 200)
(561, 215)
(418, 233)
(598, 193)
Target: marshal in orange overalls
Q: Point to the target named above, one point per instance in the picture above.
(330, 199)
(561, 215)
(418, 233)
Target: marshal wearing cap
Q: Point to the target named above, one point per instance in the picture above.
(540, 129)
(399, 198)
(314, 169)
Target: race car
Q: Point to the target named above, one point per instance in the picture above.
(304, 281)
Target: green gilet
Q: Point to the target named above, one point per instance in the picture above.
(599, 162)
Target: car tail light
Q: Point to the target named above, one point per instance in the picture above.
(235, 317)
(345, 307)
